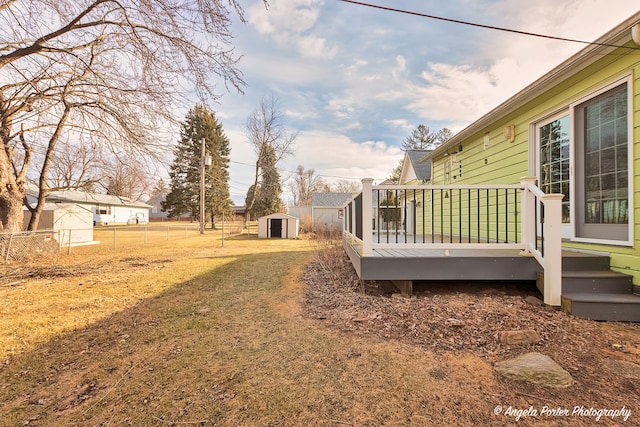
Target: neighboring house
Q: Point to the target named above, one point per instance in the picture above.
(279, 226)
(416, 167)
(387, 213)
(552, 173)
(106, 209)
(156, 213)
(327, 210)
(240, 212)
(304, 214)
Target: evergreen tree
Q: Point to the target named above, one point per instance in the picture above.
(184, 194)
(422, 138)
(264, 199)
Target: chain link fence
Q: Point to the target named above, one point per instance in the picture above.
(22, 245)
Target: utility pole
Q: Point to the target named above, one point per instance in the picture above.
(205, 160)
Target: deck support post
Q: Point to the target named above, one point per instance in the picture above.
(528, 206)
(404, 286)
(367, 209)
(553, 249)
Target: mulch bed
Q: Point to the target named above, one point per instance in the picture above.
(448, 318)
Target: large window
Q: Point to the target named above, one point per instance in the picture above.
(605, 158)
(554, 173)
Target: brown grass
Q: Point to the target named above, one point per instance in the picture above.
(190, 333)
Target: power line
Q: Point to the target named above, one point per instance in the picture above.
(490, 27)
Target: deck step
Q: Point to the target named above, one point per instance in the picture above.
(602, 306)
(579, 262)
(596, 282)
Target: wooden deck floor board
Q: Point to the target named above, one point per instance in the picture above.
(452, 264)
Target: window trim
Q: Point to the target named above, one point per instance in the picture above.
(577, 105)
(571, 107)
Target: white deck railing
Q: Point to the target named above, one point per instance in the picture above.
(518, 216)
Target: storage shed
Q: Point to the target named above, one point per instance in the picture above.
(73, 223)
(279, 226)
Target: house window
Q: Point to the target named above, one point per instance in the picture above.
(103, 210)
(553, 137)
(605, 132)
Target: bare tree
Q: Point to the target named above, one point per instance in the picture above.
(102, 72)
(74, 167)
(346, 186)
(268, 135)
(130, 180)
(303, 184)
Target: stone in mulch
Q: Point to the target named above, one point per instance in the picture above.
(534, 300)
(626, 369)
(535, 368)
(521, 337)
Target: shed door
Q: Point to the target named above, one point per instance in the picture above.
(276, 227)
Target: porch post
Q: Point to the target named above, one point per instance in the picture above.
(528, 206)
(552, 249)
(352, 228)
(367, 209)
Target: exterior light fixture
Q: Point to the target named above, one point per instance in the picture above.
(635, 34)
(509, 133)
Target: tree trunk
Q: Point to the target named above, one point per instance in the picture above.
(37, 211)
(11, 215)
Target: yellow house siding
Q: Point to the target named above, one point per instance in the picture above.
(504, 162)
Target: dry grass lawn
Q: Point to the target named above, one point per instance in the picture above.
(187, 332)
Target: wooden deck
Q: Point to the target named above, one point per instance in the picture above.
(427, 264)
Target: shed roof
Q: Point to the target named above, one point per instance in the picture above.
(279, 215)
(330, 199)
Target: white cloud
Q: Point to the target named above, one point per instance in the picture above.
(401, 66)
(336, 156)
(400, 123)
(288, 22)
(463, 93)
(348, 77)
(315, 47)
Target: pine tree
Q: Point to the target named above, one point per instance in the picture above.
(184, 194)
(422, 138)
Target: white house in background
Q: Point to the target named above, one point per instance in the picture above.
(72, 223)
(325, 211)
(106, 209)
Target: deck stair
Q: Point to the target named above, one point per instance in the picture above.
(591, 290)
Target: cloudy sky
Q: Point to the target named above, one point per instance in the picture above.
(354, 81)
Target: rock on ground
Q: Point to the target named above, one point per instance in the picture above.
(535, 368)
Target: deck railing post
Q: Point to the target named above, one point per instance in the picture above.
(528, 206)
(553, 249)
(367, 211)
(352, 226)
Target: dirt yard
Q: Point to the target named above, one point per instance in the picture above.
(277, 332)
